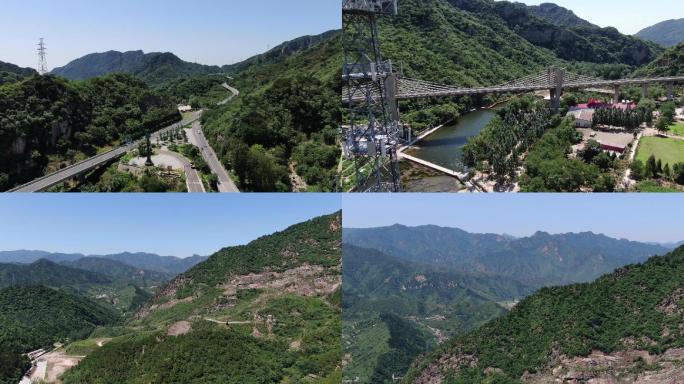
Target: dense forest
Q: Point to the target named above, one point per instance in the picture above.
(286, 119)
(48, 122)
(35, 317)
(638, 307)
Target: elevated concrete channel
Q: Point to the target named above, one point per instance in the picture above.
(94, 162)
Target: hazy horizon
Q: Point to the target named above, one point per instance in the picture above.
(211, 32)
(637, 217)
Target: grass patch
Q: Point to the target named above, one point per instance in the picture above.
(670, 151)
(650, 186)
(677, 129)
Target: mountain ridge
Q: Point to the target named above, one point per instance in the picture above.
(667, 33)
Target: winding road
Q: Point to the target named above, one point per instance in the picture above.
(198, 139)
(192, 177)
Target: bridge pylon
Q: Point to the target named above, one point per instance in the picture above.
(557, 77)
(371, 134)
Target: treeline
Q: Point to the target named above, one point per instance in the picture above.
(499, 146)
(49, 121)
(630, 119)
(655, 169)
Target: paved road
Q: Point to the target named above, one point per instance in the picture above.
(226, 184)
(234, 91)
(70, 172)
(192, 177)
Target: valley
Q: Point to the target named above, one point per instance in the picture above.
(264, 311)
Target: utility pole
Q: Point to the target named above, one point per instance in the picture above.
(371, 135)
(42, 57)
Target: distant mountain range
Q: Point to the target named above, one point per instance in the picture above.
(160, 67)
(542, 259)
(147, 261)
(667, 33)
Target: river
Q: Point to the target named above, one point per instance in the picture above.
(445, 147)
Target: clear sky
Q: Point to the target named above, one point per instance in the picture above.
(214, 32)
(639, 217)
(166, 224)
(628, 16)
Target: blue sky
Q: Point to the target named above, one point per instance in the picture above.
(628, 16)
(640, 217)
(209, 31)
(169, 224)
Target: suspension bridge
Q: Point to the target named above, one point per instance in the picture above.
(555, 80)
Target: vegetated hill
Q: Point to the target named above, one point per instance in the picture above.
(10, 73)
(265, 312)
(581, 43)
(286, 118)
(540, 260)
(37, 317)
(282, 51)
(394, 310)
(50, 122)
(667, 33)
(146, 261)
(670, 63)
(154, 68)
(44, 272)
(626, 326)
(559, 15)
(120, 271)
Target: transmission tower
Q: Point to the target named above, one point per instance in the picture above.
(372, 132)
(42, 57)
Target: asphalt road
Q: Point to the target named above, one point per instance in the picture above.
(235, 93)
(226, 184)
(70, 172)
(192, 177)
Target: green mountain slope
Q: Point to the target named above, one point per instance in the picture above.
(285, 119)
(119, 271)
(37, 317)
(261, 313)
(47, 273)
(624, 326)
(10, 73)
(394, 310)
(670, 63)
(154, 68)
(540, 260)
(667, 33)
(558, 15)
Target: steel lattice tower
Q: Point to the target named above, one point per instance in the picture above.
(42, 57)
(372, 132)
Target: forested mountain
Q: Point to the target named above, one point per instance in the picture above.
(667, 33)
(265, 312)
(154, 68)
(49, 122)
(542, 259)
(394, 310)
(120, 271)
(44, 272)
(37, 317)
(670, 63)
(625, 327)
(286, 119)
(559, 15)
(10, 73)
(146, 261)
(282, 51)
